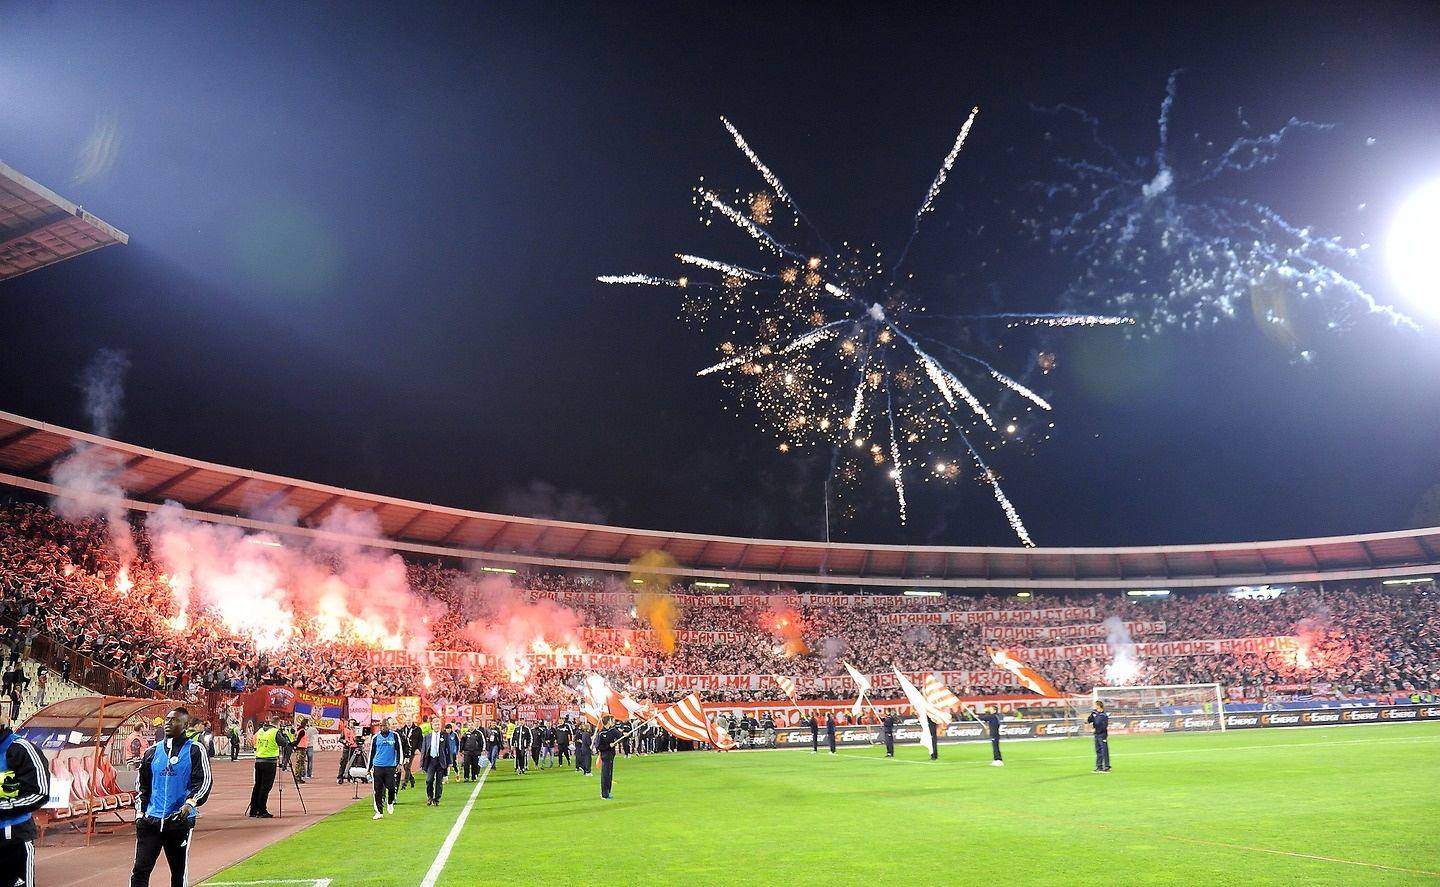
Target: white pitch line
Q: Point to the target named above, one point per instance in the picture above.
(313, 882)
(444, 855)
(1180, 751)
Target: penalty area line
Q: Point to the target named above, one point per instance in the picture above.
(443, 856)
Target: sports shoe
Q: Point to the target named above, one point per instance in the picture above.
(378, 816)
(997, 763)
(390, 808)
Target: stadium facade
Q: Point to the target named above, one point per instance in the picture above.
(29, 449)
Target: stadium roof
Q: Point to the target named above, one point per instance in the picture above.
(39, 227)
(30, 449)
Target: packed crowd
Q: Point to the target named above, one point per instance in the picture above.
(62, 580)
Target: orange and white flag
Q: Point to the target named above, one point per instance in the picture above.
(787, 685)
(1028, 676)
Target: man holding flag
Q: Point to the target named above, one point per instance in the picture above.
(927, 711)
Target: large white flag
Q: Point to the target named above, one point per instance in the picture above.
(863, 684)
(861, 681)
(922, 709)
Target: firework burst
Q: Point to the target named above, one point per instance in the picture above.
(834, 348)
(1156, 241)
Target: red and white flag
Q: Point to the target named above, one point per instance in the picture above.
(787, 686)
(942, 702)
(686, 720)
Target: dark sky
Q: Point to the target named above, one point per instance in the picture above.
(364, 242)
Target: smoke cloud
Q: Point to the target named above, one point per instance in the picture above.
(544, 500)
(1124, 667)
(89, 477)
(272, 589)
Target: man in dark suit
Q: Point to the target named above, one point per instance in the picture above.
(991, 719)
(1099, 720)
(607, 742)
(830, 731)
(437, 753)
(814, 722)
(410, 738)
(887, 728)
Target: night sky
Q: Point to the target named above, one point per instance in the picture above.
(364, 243)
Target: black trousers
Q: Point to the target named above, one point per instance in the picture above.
(264, 781)
(519, 759)
(472, 765)
(387, 780)
(234, 747)
(607, 774)
(814, 741)
(934, 743)
(435, 780)
(995, 747)
(890, 744)
(562, 753)
(583, 759)
(1102, 752)
(150, 839)
(830, 738)
(408, 780)
(17, 862)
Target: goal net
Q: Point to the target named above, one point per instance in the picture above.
(1203, 703)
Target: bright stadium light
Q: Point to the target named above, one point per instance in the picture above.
(921, 592)
(1418, 580)
(1413, 247)
(498, 570)
(712, 584)
(1151, 592)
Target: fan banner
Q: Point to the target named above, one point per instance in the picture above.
(1012, 633)
(985, 617)
(1166, 649)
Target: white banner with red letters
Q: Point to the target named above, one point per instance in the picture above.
(990, 617)
(1012, 633)
(457, 660)
(1166, 649)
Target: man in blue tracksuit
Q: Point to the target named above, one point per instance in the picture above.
(24, 788)
(174, 782)
(386, 750)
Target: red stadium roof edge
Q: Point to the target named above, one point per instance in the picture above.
(29, 449)
(39, 227)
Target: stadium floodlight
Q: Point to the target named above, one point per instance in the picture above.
(712, 584)
(507, 570)
(1148, 592)
(1022, 594)
(922, 592)
(39, 227)
(1185, 708)
(1418, 580)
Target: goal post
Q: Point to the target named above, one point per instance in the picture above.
(1166, 699)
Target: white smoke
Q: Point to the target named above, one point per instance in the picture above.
(272, 589)
(89, 477)
(1124, 667)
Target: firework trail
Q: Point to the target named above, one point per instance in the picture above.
(826, 345)
(1156, 243)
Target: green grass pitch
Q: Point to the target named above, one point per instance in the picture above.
(1340, 805)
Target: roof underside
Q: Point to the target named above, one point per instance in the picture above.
(29, 450)
(39, 227)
